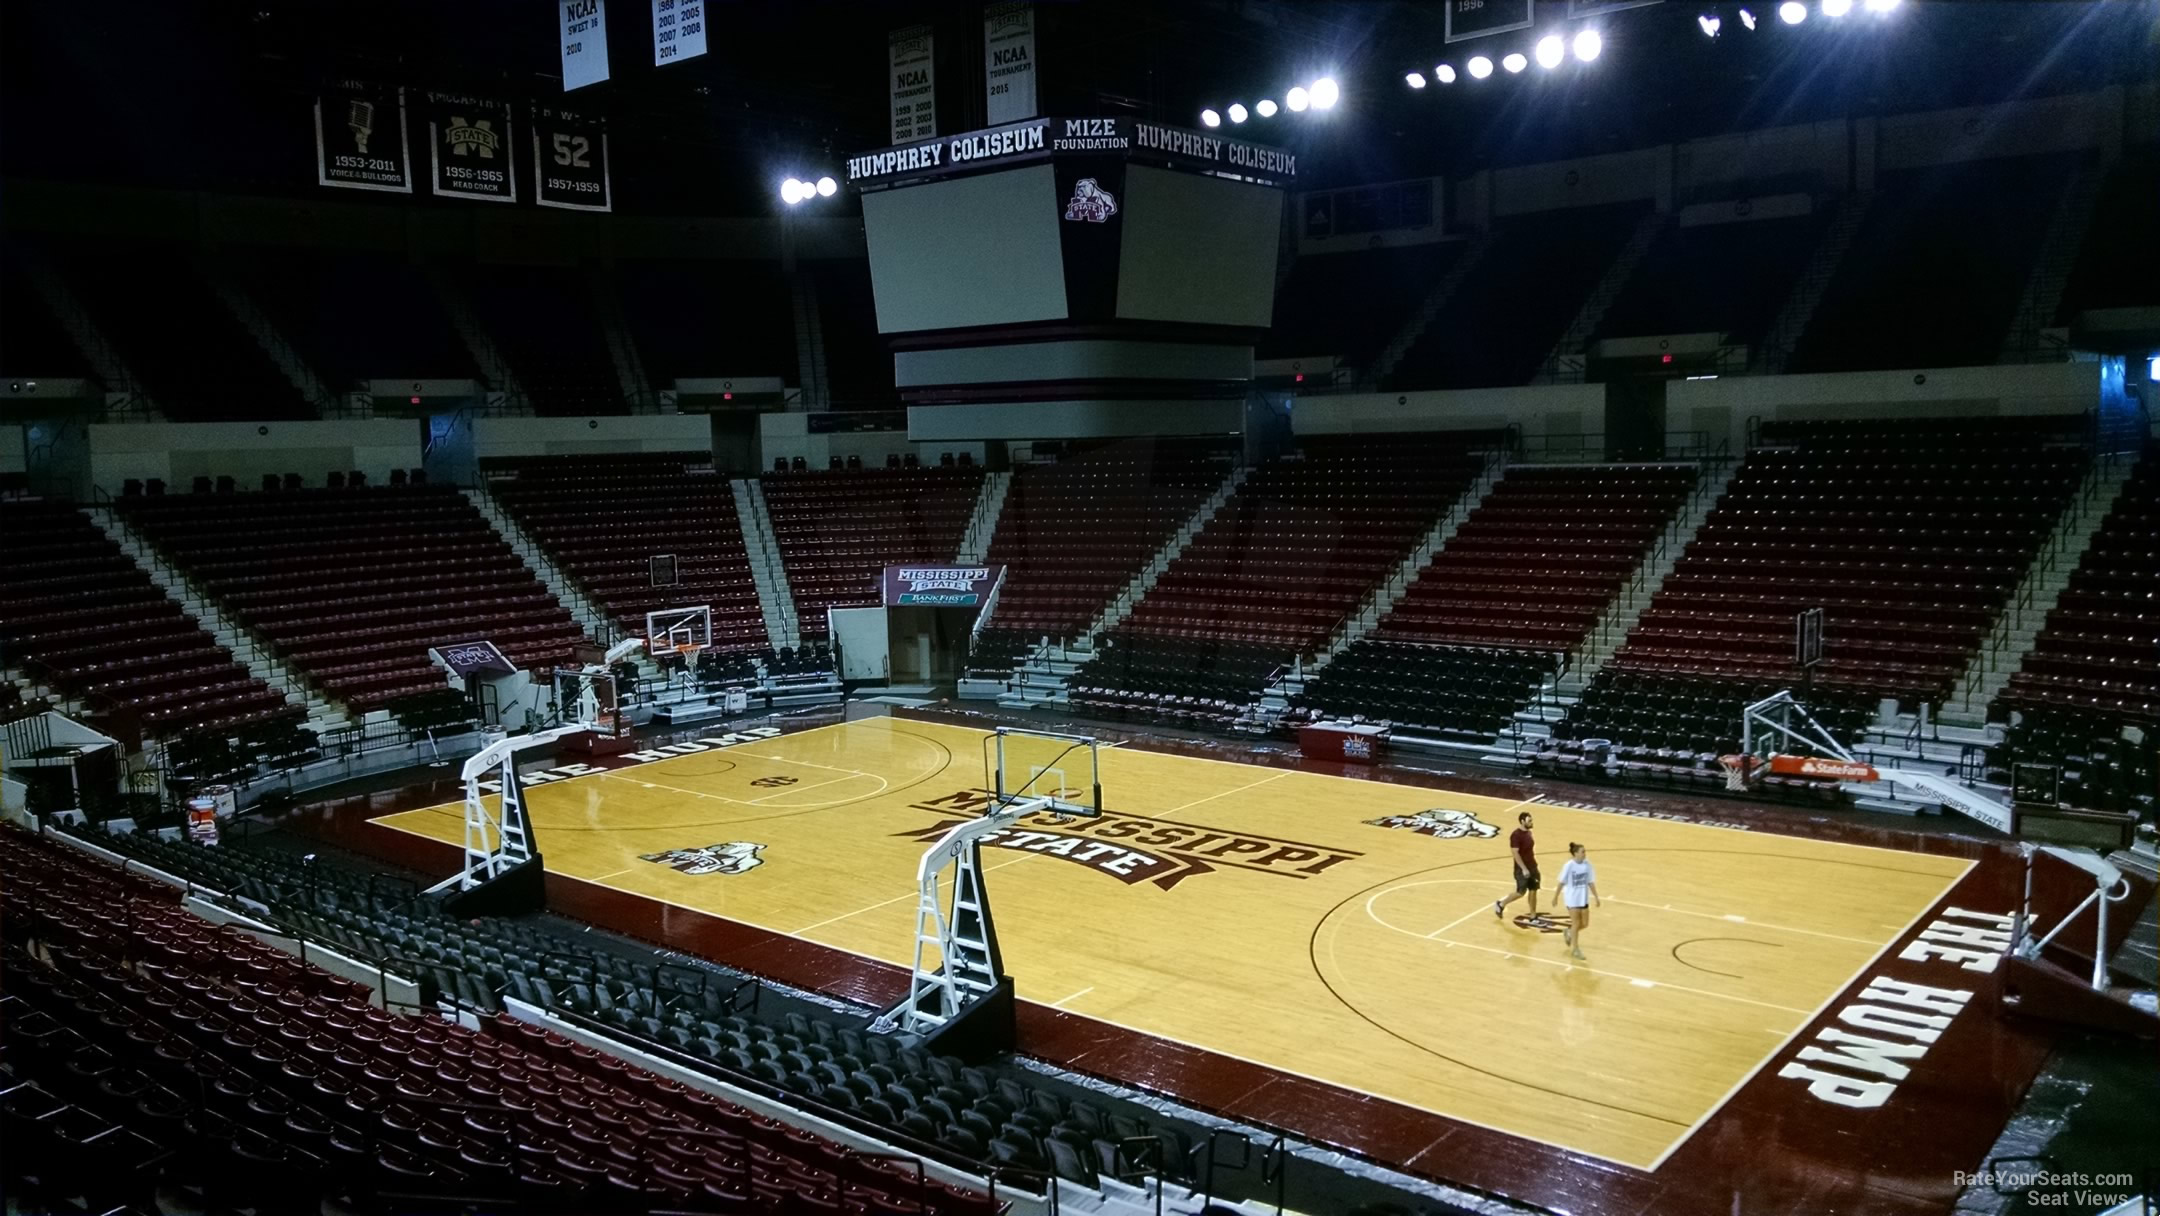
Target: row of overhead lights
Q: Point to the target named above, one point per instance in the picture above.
(1322, 94)
(793, 191)
(1792, 12)
(1551, 51)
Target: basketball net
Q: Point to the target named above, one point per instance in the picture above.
(1736, 772)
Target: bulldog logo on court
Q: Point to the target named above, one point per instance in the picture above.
(733, 857)
(1447, 825)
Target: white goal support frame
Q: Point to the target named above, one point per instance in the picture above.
(1777, 719)
(499, 841)
(957, 964)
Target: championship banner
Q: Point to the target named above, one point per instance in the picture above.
(1009, 61)
(1477, 18)
(470, 152)
(678, 30)
(914, 85)
(360, 137)
(570, 168)
(939, 586)
(584, 43)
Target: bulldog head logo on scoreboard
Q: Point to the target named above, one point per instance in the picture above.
(1090, 202)
(733, 857)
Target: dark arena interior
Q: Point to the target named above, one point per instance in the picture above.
(548, 548)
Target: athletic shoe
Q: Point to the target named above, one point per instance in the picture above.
(1577, 955)
(1499, 910)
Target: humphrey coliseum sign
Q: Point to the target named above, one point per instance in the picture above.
(1058, 137)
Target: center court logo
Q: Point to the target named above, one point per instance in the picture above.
(1447, 825)
(1134, 849)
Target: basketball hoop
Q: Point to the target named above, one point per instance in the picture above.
(1736, 772)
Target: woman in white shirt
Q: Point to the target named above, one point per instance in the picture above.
(1578, 887)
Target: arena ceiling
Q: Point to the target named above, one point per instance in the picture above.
(210, 94)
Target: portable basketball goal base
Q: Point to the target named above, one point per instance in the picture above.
(959, 997)
(1772, 726)
(502, 871)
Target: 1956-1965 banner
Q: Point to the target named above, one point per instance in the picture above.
(469, 147)
(939, 586)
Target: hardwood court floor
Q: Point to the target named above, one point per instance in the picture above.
(1264, 914)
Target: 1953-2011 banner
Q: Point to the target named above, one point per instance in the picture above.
(470, 151)
(360, 139)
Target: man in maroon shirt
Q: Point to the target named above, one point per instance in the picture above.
(1522, 850)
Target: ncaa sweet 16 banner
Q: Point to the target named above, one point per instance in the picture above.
(584, 42)
(570, 167)
(470, 152)
(360, 137)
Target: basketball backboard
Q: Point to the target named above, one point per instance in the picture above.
(1028, 764)
(685, 631)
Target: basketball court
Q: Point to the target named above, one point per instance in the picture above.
(1332, 928)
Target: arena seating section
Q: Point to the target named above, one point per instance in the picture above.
(1726, 278)
(1910, 535)
(2100, 650)
(839, 529)
(1518, 585)
(1073, 533)
(710, 319)
(543, 320)
(350, 587)
(1277, 570)
(601, 518)
(993, 1113)
(2097, 760)
(179, 339)
(1192, 683)
(1909, 292)
(1306, 538)
(1512, 307)
(1669, 730)
(82, 618)
(271, 1083)
(355, 317)
(1351, 304)
(1462, 694)
(1541, 557)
